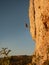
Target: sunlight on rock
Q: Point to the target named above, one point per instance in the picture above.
(39, 29)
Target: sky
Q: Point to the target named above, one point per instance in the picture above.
(13, 34)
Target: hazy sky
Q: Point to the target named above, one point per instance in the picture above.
(13, 34)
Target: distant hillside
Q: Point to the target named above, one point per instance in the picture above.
(16, 60)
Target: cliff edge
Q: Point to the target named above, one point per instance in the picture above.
(39, 29)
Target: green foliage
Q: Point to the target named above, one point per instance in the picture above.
(5, 61)
(16, 60)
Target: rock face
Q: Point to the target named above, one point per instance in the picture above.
(39, 29)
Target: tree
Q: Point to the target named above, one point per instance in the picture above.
(5, 60)
(5, 52)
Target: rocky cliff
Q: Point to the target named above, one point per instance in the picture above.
(39, 29)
